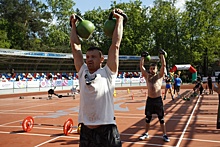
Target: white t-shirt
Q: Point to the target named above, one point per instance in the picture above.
(96, 99)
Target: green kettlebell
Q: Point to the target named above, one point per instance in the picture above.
(148, 58)
(84, 28)
(109, 25)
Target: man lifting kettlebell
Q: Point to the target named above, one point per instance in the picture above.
(154, 102)
(97, 86)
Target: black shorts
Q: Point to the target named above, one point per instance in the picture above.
(154, 106)
(177, 88)
(103, 136)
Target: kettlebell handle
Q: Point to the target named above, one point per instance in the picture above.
(122, 14)
(77, 17)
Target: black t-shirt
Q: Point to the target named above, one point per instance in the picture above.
(199, 85)
(168, 80)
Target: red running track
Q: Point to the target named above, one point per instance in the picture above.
(189, 123)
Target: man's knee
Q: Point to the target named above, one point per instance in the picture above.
(161, 119)
(148, 118)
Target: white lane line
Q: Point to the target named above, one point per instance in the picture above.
(41, 135)
(31, 134)
(187, 124)
(26, 108)
(43, 143)
(19, 121)
(35, 127)
(128, 142)
(201, 140)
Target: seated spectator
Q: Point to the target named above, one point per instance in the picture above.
(37, 77)
(4, 79)
(29, 77)
(59, 76)
(198, 89)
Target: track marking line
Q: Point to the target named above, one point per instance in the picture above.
(43, 143)
(41, 135)
(35, 127)
(187, 124)
(155, 136)
(11, 122)
(31, 107)
(136, 142)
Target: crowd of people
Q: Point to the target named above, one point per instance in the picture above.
(35, 76)
(4, 77)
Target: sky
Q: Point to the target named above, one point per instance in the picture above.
(86, 5)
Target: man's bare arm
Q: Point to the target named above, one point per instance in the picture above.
(163, 65)
(113, 53)
(75, 45)
(142, 68)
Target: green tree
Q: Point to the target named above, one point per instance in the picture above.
(204, 27)
(27, 20)
(163, 25)
(57, 38)
(4, 42)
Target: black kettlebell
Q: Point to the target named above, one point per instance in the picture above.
(109, 25)
(84, 28)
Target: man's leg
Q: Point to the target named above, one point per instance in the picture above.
(165, 93)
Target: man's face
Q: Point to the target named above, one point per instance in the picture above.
(153, 70)
(93, 60)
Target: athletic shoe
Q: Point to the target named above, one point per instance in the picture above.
(144, 136)
(165, 138)
(172, 98)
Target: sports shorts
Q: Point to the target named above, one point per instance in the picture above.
(168, 86)
(103, 136)
(154, 106)
(177, 88)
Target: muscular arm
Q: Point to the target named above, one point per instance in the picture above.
(113, 53)
(142, 68)
(75, 45)
(163, 65)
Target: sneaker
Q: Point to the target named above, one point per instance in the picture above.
(165, 138)
(172, 98)
(144, 136)
(164, 98)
